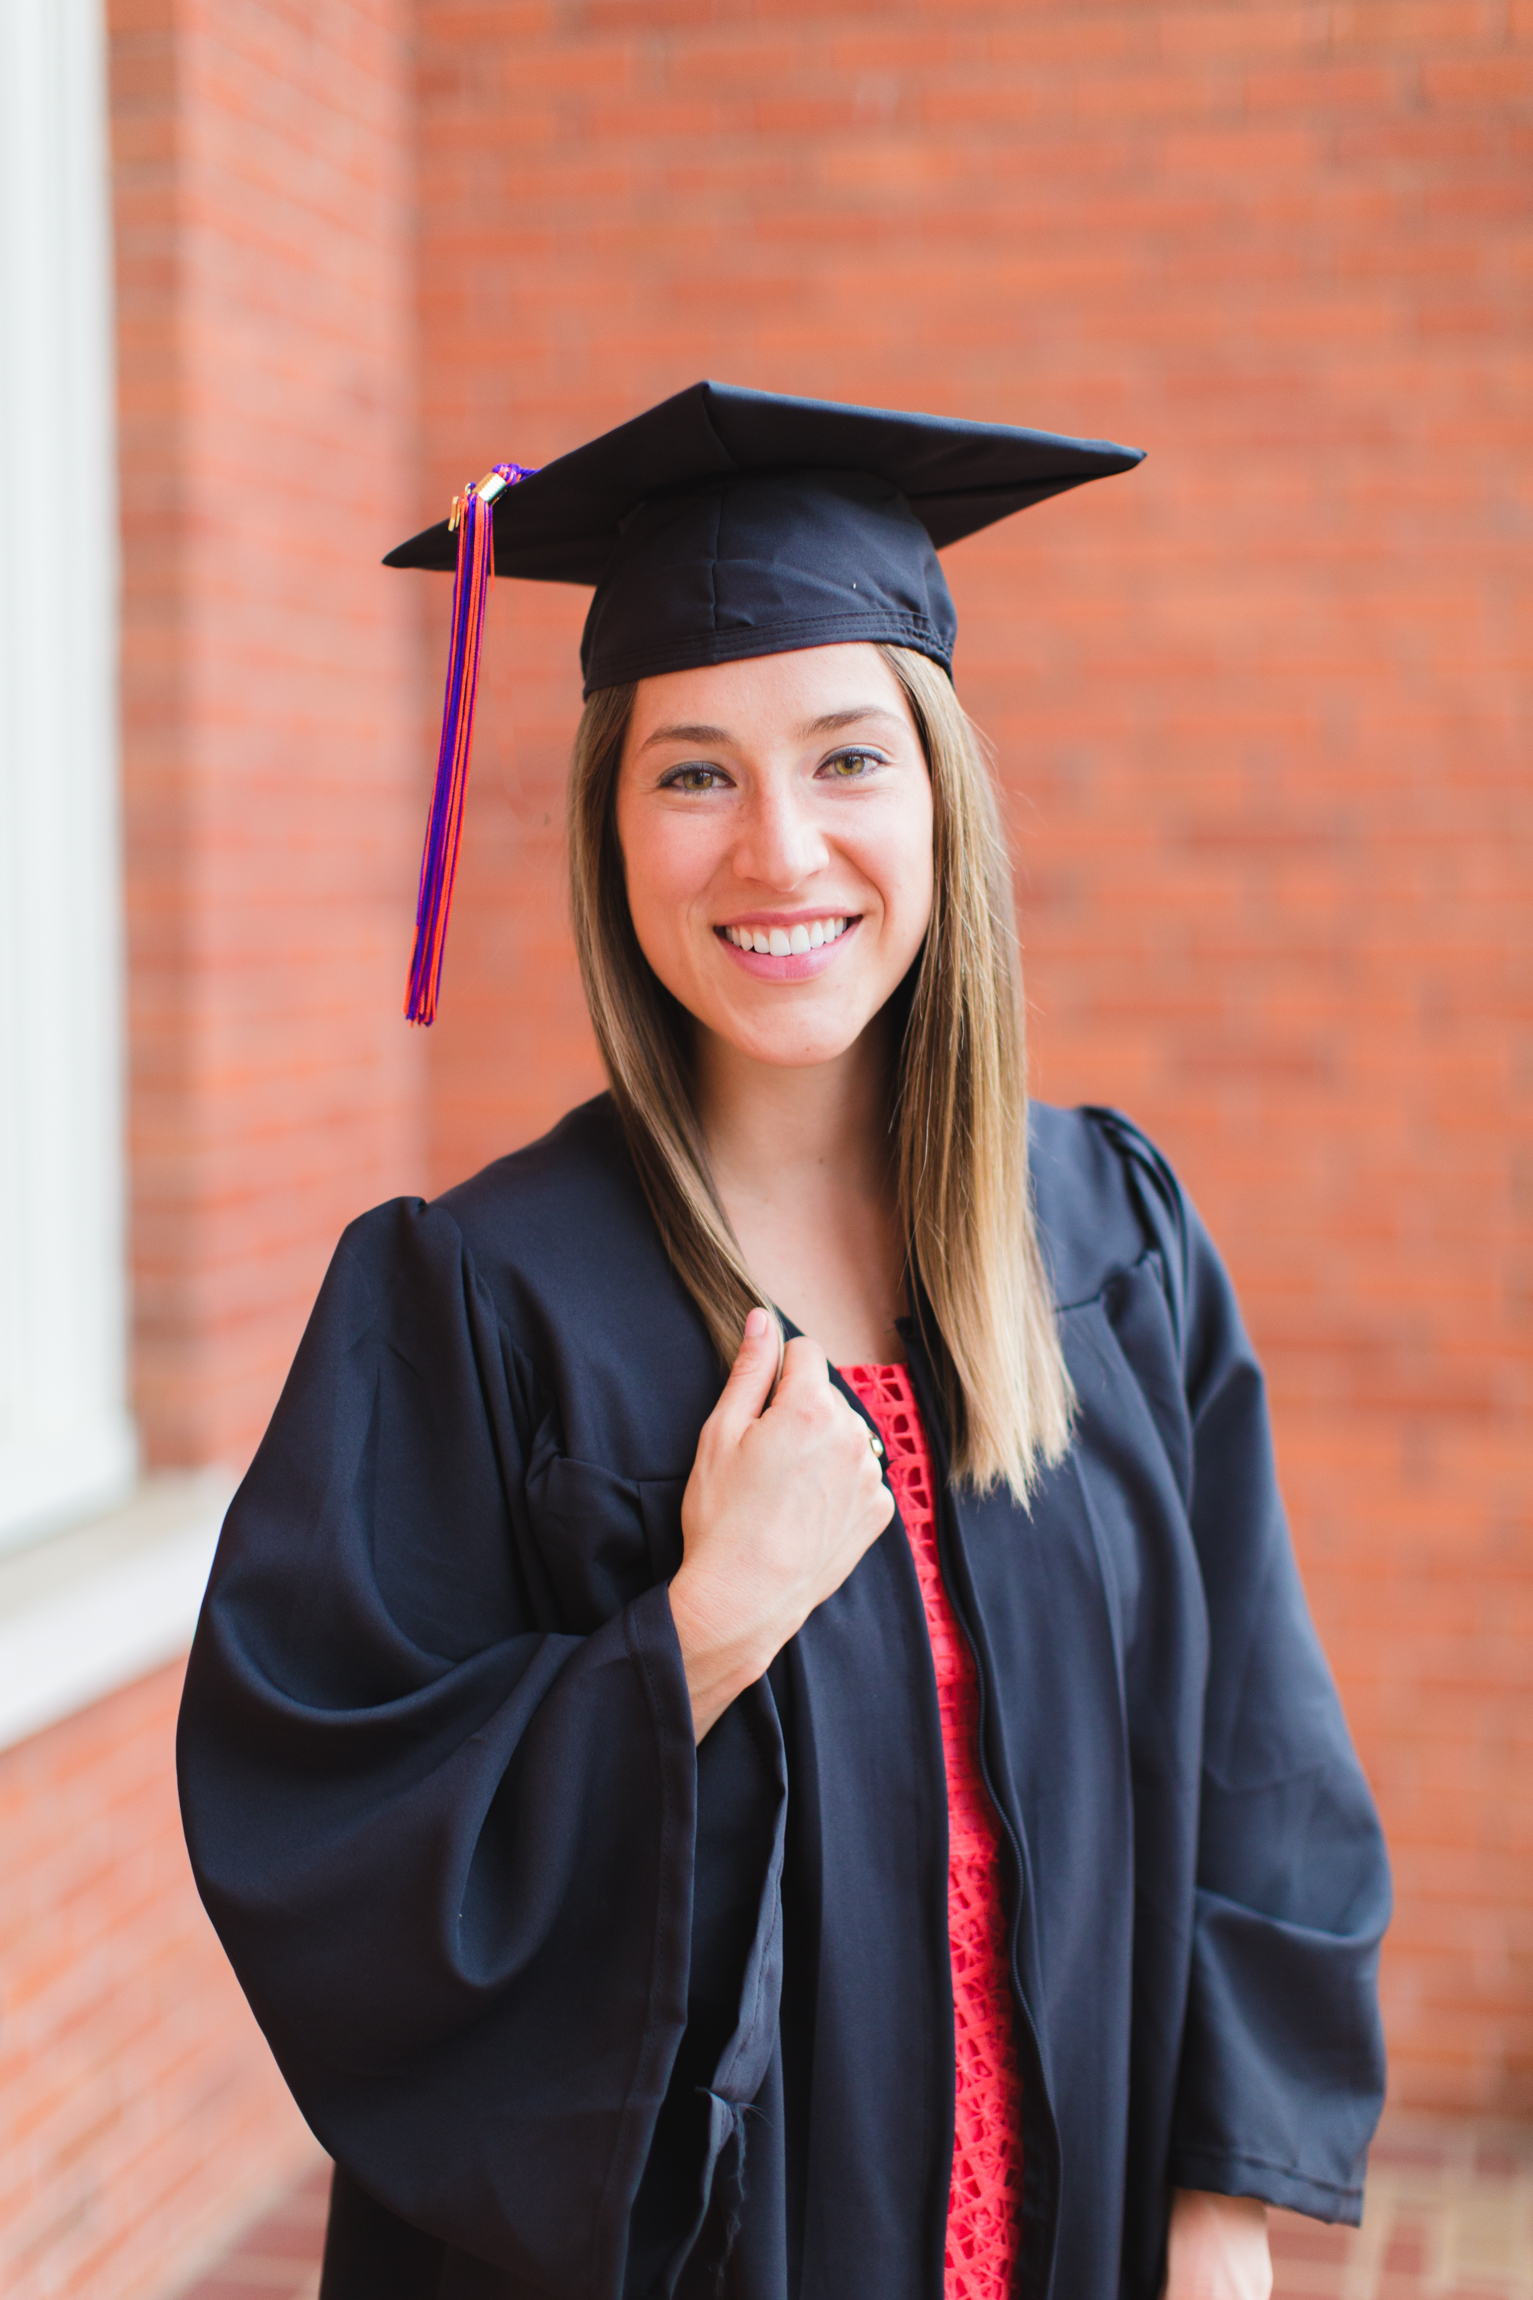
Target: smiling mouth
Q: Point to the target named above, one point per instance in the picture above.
(788, 941)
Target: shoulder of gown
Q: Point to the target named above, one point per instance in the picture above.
(569, 1210)
(1103, 1197)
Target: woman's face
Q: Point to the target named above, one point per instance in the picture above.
(775, 819)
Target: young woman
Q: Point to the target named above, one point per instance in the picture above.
(754, 1729)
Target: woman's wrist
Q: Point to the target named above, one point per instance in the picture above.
(718, 1658)
(1218, 2247)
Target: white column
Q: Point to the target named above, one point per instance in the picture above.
(66, 1439)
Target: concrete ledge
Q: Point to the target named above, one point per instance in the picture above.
(88, 1610)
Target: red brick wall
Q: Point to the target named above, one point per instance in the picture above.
(139, 2111)
(1259, 706)
(266, 340)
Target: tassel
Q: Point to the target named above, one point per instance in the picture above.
(473, 516)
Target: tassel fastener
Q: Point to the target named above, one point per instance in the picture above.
(472, 520)
(484, 491)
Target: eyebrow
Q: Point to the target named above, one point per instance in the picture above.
(831, 723)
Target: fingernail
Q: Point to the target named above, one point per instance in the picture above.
(755, 1325)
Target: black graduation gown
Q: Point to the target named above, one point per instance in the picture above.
(582, 2012)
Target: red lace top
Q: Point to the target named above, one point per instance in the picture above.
(982, 2222)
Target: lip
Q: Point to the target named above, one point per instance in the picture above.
(798, 966)
(790, 918)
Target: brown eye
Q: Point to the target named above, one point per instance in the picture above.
(693, 779)
(847, 766)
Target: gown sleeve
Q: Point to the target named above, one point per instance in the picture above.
(447, 1845)
(1282, 2064)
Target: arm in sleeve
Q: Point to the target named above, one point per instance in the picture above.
(1282, 2066)
(448, 1848)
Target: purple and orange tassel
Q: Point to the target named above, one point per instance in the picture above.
(473, 516)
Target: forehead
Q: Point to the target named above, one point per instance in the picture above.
(771, 696)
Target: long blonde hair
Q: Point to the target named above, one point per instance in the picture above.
(958, 1110)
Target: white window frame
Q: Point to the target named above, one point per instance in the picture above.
(66, 1434)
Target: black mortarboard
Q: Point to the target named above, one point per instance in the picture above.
(724, 524)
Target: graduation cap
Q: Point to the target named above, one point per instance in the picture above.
(719, 525)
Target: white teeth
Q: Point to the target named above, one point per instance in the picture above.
(787, 942)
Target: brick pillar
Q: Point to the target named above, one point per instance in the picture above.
(264, 213)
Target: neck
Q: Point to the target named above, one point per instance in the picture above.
(771, 1129)
(804, 1166)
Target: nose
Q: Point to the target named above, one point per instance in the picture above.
(780, 843)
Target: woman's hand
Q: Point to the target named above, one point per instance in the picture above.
(780, 1506)
(1218, 2248)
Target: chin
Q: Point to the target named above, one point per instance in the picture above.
(792, 1048)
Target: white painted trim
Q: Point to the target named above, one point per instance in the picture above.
(92, 1609)
(66, 1440)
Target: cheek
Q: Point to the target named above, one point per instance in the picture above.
(666, 867)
